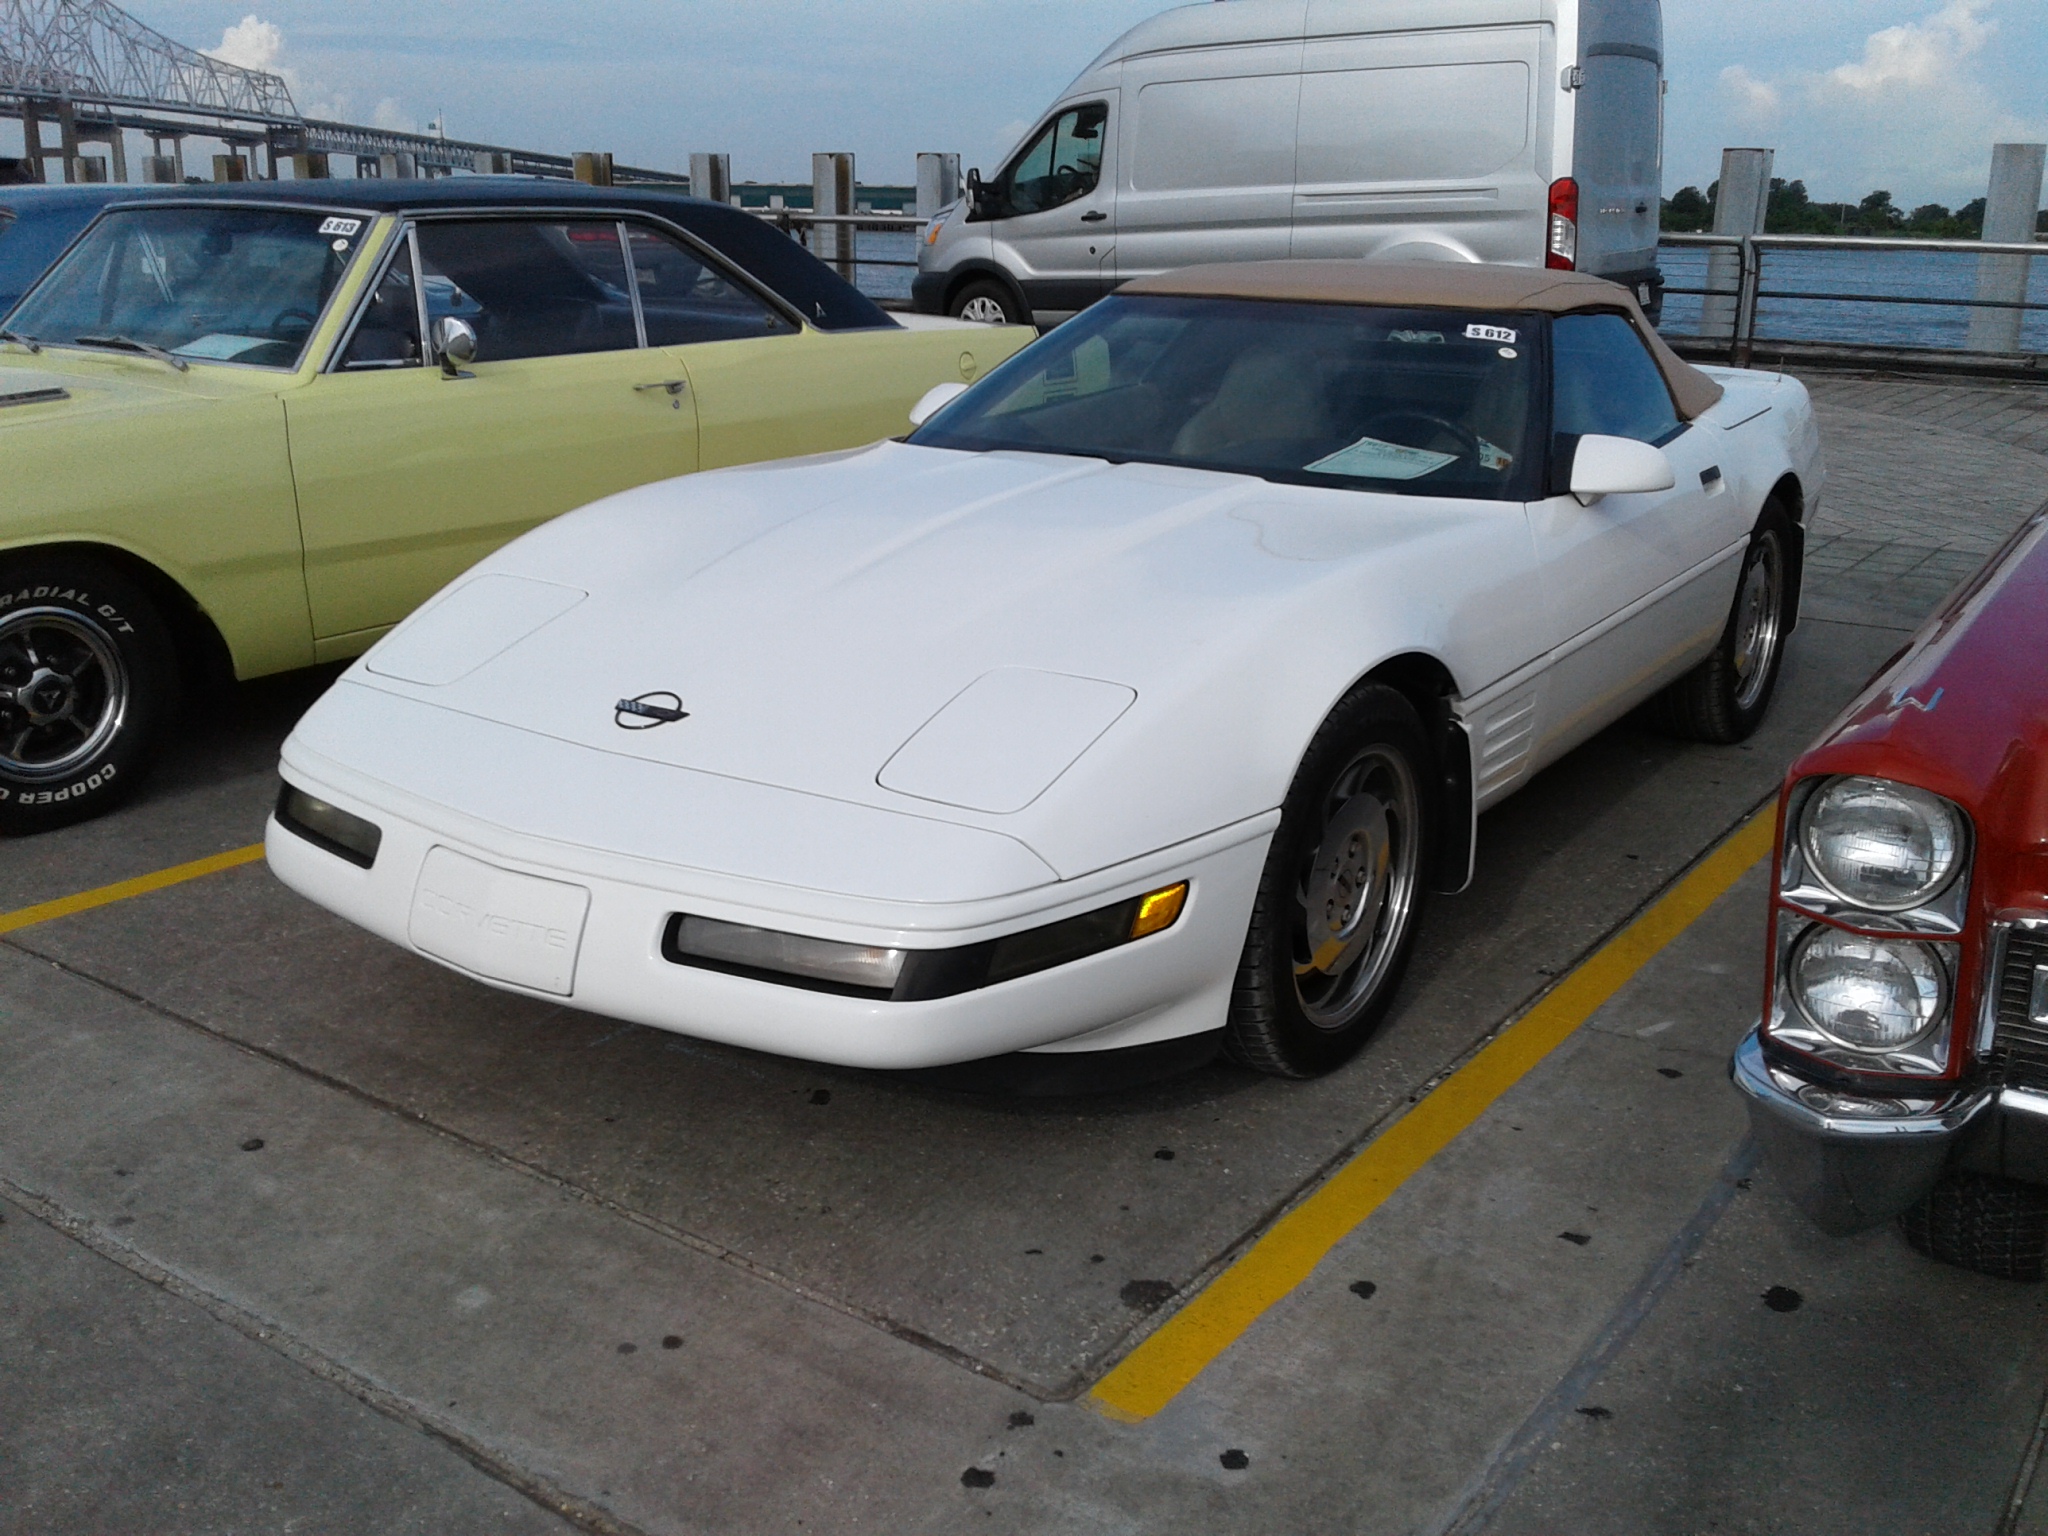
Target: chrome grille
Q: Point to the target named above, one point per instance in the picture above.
(2019, 1044)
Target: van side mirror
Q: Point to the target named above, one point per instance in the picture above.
(1618, 466)
(454, 344)
(935, 400)
(980, 199)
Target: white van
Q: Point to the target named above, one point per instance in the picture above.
(1528, 132)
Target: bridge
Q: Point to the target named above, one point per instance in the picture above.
(93, 73)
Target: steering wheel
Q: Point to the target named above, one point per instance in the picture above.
(1428, 418)
(289, 322)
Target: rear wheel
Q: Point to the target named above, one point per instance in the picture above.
(989, 301)
(1341, 893)
(1725, 697)
(1980, 1221)
(86, 681)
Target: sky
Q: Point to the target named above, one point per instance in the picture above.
(1907, 95)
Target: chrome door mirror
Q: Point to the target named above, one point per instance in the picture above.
(1618, 466)
(454, 344)
(935, 400)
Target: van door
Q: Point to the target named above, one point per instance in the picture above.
(1419, 144)
(1206, 171)
(1052, 210)
(1617, 150)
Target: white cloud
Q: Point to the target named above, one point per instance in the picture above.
(1918, 54)
(392, 117)
(251, 43)
(1755, 98)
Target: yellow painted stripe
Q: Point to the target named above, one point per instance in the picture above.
(1149, 1378)
(142, 885)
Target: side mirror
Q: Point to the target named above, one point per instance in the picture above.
(454, 344)
(1618, 466)
(935, 400)
(979, 200)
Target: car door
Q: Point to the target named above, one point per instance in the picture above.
(1636, 587)
(409, 473)
(760, 385)
(1053, 210)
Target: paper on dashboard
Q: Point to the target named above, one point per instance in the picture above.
(1372, 459)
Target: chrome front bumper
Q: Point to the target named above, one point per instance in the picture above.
(1850, 1161)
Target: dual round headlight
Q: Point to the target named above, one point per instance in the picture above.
(1882, 846)
(1867, 994)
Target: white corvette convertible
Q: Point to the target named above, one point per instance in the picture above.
(1137, 697)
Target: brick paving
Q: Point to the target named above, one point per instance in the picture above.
(1925, 479)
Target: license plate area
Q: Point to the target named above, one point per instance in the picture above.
(497, 923)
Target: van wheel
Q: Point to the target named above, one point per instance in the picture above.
(87, 680)
(1341, 894)
(989, 301)
(1982, 1222)
(1724, 698)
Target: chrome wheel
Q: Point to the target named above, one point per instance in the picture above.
(1759, 611)
(984, 309)
(63, 692)
(1357, 888)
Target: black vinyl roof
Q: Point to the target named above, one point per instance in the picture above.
(825, 299)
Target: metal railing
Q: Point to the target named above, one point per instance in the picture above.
(1734, 289)
(797, 223)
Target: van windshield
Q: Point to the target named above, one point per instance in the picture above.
(1424, 401)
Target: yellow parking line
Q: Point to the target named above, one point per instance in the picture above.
(121, 890)
(1149, 1378)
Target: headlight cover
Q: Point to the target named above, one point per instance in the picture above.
(1867, 994)
(1882, 846)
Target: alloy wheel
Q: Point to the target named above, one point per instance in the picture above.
(1759, 608)
(63, 692)
(1357, 888)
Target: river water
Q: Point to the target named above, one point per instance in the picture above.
(1918, 274)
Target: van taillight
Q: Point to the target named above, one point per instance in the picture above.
(1563, 250)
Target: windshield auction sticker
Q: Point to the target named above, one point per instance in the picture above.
(349, 227)
(1499, 333)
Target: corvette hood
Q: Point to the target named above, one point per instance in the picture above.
(925, 630)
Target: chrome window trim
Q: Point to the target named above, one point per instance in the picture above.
(403, 241)
(555, 213)
(632, 281)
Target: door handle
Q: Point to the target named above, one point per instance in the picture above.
(673, 386)
(1093, 216)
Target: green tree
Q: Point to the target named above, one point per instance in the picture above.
(1687, 211)
(1877, 215)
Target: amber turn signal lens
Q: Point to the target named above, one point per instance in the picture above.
(1159, 910)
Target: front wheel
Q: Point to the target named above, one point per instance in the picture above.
(1341, 893)
(990, 302)
(1978, 1221)
(86, 680)
(1724, 698)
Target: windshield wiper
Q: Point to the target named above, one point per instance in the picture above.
(130, 344)
(20, 340)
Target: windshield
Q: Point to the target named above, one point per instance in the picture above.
(220, 284)
(1431, 402)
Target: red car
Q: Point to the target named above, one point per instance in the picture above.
(1900, 1068)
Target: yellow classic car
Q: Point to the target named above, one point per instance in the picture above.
(250, 429)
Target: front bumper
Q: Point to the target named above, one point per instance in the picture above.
(1851, 1162)
(1168, 985)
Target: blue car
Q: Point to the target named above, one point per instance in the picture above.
(37, 222)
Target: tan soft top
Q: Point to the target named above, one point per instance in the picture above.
(1436, 285)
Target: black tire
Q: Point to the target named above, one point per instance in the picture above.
(1979, 1221)
(992, 301)
(1363, 802)
(1724, 698)
(87, 680)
